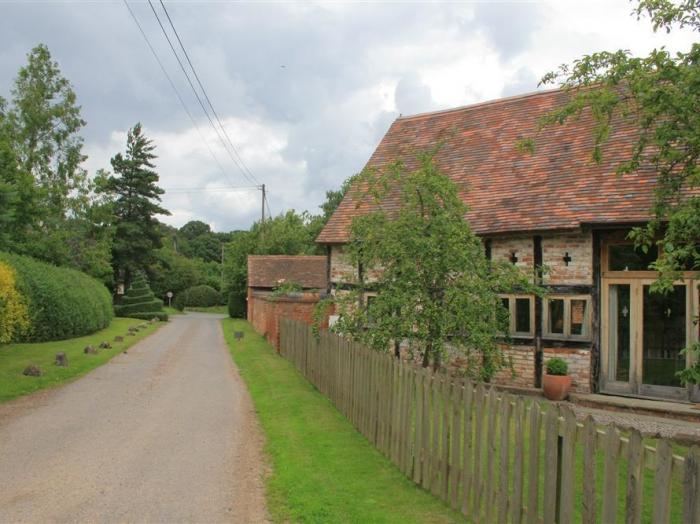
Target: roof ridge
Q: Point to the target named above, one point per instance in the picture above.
(493, 101)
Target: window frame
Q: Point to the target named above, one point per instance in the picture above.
(512, 333)
(546, 333)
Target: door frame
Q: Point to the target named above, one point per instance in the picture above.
(635, 386)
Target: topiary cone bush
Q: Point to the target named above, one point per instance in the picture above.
(140, 302)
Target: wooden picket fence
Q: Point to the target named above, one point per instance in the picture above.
(493, 456)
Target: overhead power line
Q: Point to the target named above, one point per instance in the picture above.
(206, 95)
(227, 146)
(212, 189)
(172, 85)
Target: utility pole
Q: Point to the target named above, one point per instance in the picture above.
(222, 267)
(262, 221)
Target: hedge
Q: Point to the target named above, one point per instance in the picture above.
(198, 296)
(61, 303)
(236, 305)
(140, 302)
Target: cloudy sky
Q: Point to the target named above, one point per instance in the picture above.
(304, 90)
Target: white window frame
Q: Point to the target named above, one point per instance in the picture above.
(511, 315)
(585, 337)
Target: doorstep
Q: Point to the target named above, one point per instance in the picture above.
(641, 406)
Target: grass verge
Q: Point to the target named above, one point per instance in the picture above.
(14, 358)
(211, 309)
(323, 469)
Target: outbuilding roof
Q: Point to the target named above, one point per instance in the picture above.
(558, 186)
(269, 271)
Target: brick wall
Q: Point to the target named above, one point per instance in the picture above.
(579, 270)
(342, 270)
(579, 361)
(523, 247)
(523, 359)
(265, 312)
(523, 373)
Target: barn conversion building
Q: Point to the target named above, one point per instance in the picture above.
(553, 208)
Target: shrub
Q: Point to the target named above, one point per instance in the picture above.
(557, 366)
(179, 302)
(14, 318)
(236, 305)
(140, 302)
(61, 303)
(199, 296)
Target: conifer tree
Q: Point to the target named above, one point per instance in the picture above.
(136, 202)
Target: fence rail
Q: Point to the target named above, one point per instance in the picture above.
(493, 456)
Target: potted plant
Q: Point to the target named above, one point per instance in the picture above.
(556, 383)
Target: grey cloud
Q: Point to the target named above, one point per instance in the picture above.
(330, 53)
(509, 25)
(525, 81)
(413, 96)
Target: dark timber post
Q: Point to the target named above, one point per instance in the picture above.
(537, 246)
(596, 309)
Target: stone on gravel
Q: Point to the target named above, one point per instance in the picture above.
(90, 350)
(119, 338)
(32, 370)
(105, 345)
(61, 359)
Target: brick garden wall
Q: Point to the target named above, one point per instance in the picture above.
(265, 311)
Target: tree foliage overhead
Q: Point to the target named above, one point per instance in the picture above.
(660, 94)
(44, 121)
(436, 290)
(46, 201)
(136, 202)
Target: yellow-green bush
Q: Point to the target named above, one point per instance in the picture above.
(14, 318)
(60, 303)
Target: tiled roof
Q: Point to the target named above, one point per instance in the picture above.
(269, 271)
(556, 187)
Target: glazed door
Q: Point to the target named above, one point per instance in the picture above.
(664, 335)
(642, 338)
(618, 338)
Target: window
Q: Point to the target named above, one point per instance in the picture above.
(567, 317)
(521, 315)
(625, 257)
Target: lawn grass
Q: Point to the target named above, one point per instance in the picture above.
(323, 469)
(172, 311)
(211, 309)
(14, 358)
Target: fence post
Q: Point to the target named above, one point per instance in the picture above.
(691, 486)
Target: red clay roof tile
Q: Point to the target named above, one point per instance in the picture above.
(269, 271)
(558, 186)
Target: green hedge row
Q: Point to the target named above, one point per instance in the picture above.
(160, 315)
(62, 303)
(151, 304)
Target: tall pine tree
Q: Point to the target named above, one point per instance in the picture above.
(136, 202)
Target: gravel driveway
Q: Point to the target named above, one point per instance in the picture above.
(165, 433)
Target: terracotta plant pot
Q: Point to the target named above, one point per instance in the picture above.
(556, 387)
